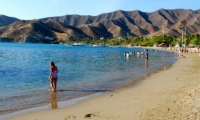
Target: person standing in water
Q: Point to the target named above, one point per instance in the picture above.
(53, 77)
(147, 57)
(147, 54)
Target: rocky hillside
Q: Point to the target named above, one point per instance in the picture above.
(22, 29)
(5, 20)
(119, 23)
(108, 25)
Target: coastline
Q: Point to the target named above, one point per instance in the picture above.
(35, 95)
(143, 100)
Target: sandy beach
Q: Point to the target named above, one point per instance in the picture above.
(167, 94)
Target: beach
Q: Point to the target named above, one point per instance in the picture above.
(107, 71)
(171, 93)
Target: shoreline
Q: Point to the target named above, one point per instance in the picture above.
(61, 104)
(46, 103)
(103, 96)
(75, 101)
(155, 97)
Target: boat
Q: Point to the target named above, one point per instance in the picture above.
(95, 45)
(101, 45)
(67, 45)
(78, 44)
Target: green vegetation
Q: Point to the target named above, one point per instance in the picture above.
(189, 40)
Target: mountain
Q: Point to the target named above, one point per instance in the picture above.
(108, 25)
(119, 23)
(21, 29)
(5, 20)
(63, 31)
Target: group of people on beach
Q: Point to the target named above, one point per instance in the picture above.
(197, 51)
(138, 53)
(186, 50)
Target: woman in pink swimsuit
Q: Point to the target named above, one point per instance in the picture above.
(53, 77)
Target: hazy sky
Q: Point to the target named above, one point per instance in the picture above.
(35, 9)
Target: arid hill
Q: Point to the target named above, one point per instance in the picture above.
(108, 25)
(21, 29)
(5, 20)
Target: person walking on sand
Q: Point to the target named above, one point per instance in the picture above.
(53, 77)
(147, 54)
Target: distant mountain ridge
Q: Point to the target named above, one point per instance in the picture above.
(109, 25)
(5, 20)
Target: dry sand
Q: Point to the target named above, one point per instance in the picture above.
(171, 94)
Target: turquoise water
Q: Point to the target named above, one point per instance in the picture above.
(24, 69)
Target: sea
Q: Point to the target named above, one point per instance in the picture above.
(83, 70)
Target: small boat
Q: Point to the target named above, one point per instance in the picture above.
(95, 45)
(67, 45)
(78, 44)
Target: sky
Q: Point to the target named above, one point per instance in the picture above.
(36, 9)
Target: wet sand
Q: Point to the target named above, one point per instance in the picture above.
(170, 94)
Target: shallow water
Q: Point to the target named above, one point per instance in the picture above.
(24, 69)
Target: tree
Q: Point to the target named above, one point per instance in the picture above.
(195, 42)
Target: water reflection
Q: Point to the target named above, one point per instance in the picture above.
(146, 63)
(53, 100)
